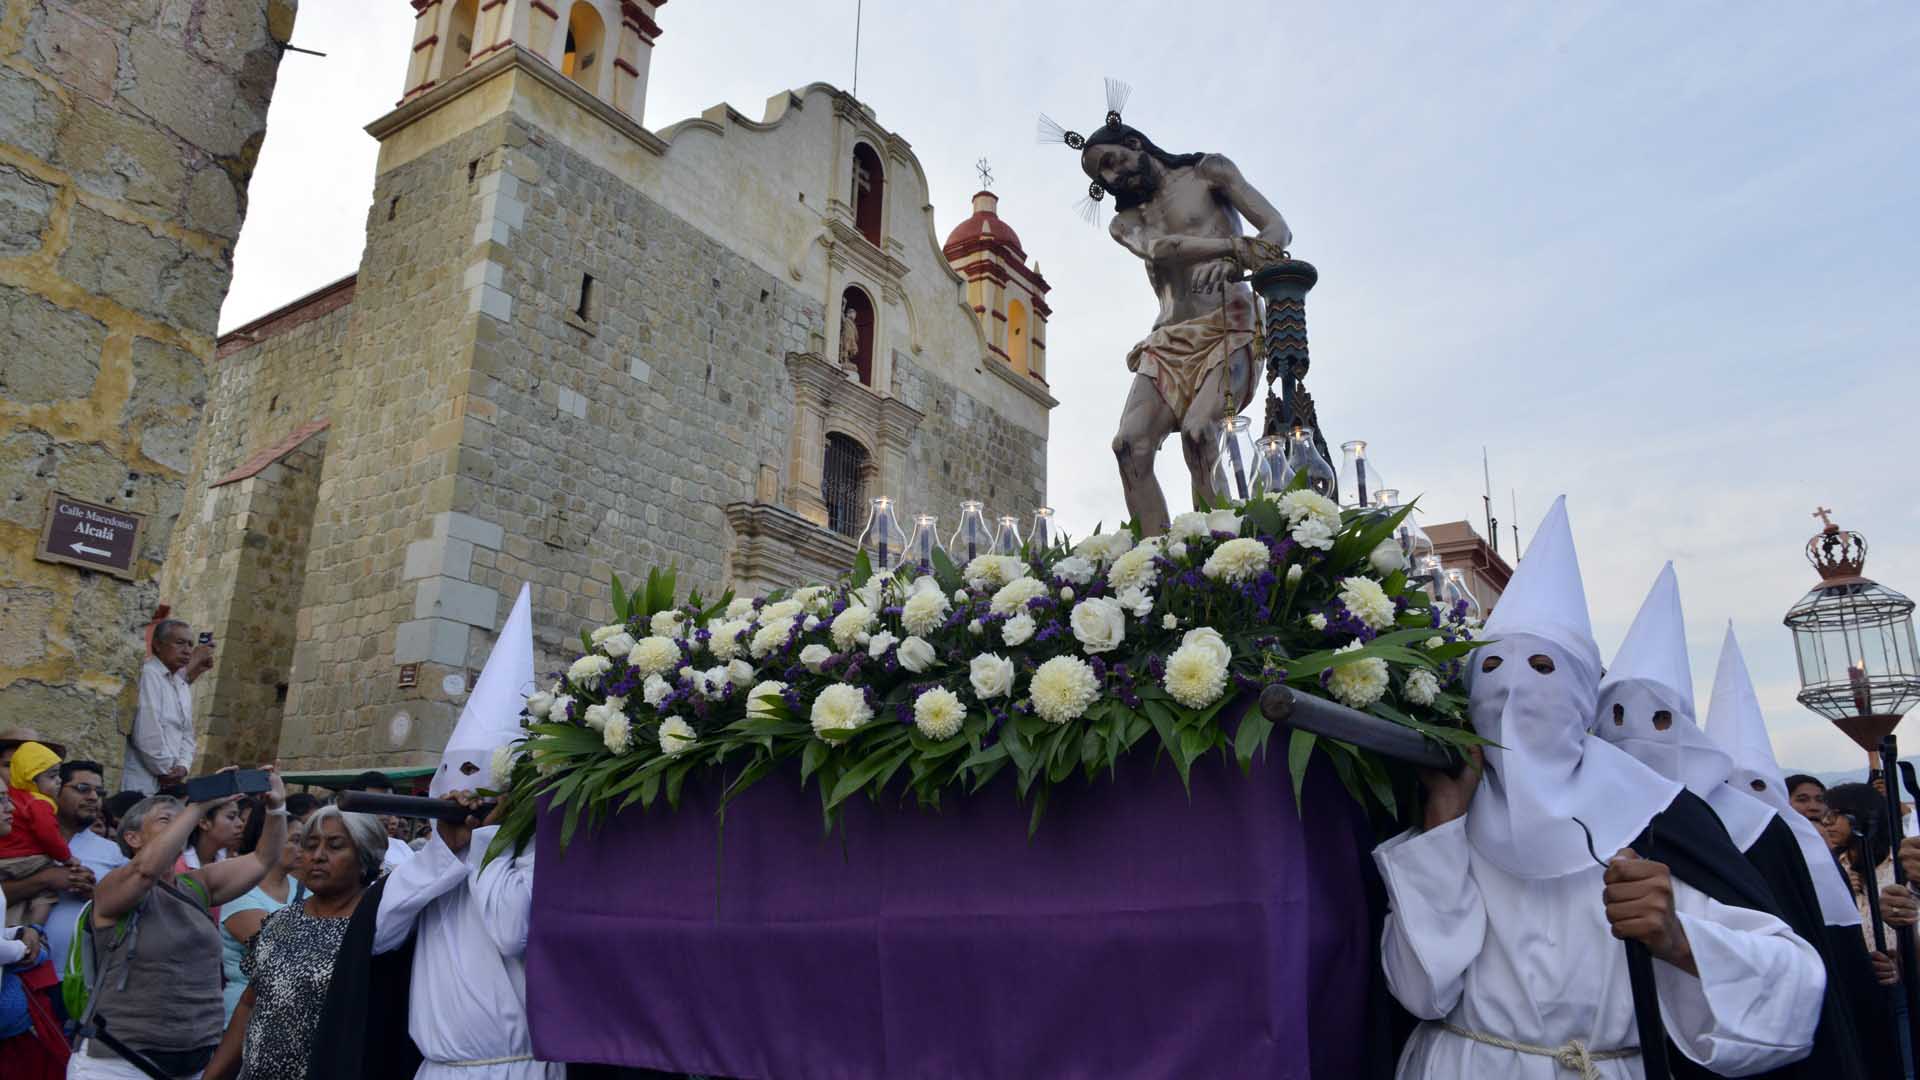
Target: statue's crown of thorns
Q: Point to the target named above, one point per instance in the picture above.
(1052, 132)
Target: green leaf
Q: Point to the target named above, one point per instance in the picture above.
(856, 778)
(1039, 809)
(1299, 750)
(619, 600)
(862, 571)
(814, 756)
(1252, 736)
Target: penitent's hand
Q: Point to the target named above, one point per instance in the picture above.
(457, 837)
(1449, 796)
(1639, 899)
(1898, 906)
(1910, 857)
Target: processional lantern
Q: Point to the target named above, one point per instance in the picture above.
(1854, 640)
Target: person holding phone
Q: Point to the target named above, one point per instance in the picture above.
(161, 746)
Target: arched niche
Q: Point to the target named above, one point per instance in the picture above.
(583, 56)
(855, 301)
(869, 191)
(1017, 335)
(459, 48)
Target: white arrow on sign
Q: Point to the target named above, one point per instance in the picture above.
(85, 550)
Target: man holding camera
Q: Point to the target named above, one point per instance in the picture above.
(161, 746)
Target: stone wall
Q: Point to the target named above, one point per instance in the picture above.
(127, 136)
(966, 449)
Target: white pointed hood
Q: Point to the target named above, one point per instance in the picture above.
(1646, 708)
(1735, 722)
(1532, 690)
(491, 719)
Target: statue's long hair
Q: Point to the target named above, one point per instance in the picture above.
(1119, 134)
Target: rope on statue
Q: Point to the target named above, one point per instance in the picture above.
(1575, 1056)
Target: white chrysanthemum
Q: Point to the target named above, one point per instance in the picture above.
(921, 584)
(597, 715)
(765, 697)
(1368, 601)
(1196, 675)
(739, 607)
(1177, 549)
(784, 609)
(991, 675)
(770, 636)
(1062, 689)
(1206, 637)
(840, 707)
(815, 655)
(654, 655)
(1295, 573)
(655, 690)
(1422, 687)
(878, 644)
(1136, 600)
(1188, 526)
(938, 713)
(617, 734)
(1317, 621)
(669, 623)
(676, 736)
(1238, 561)
(1360, 683)
(993, 571)
(872, 593)
(1012, 597)
(502, 768)
(561, 705)
(1099, 624)
(587, 670)
(1386, 558)
(724, 640)
(815, 598)
(850, 624)
(1017, 630)
(1135, 569)
(617, 645)
(538, 703)
(916, 654)
(924, 611)
(602, 633)
(1104, 547)
(1169, 621)
(1301, 504)
(1075, 569)
(1313, 533)
(1224, 521)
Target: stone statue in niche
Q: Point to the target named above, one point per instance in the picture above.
(849, 341)
(1181, 214)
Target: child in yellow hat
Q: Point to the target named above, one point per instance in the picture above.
(35, 842)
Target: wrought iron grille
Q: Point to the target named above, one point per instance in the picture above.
(840, 484)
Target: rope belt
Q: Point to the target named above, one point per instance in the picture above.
(486, 1061)
(1575, 1056)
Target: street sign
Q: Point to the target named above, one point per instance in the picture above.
(90, 535)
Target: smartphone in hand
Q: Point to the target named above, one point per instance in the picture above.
(222, 784)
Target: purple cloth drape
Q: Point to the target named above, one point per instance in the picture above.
(1140, 934)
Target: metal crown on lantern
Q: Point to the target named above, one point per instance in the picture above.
(1854, 640)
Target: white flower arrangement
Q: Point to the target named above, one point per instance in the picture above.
(840, 707)
(1013, 597)
(1135, 569)
(598, 714)
(1368, 601)
(991, 676)
(1238, 561)
(618, 645)
(1018, 630)
(849, 625)
(587, 670)
(771, 635)
(916, 654)
(925, 610)
(1104, 548)
(987, 572)
(1099, 624)
(676, 736)
(1196, 676)
(1062, 688)
(813, 656)
(1386, 558)
(617, 734)
(601, 634)
(654, 655)
(667, 624)
(939, 714)
(1422, 688)
(765, 697)
(1359, 683)
(724, 639)
(1075, 569)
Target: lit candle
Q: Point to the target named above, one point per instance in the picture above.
(1862, 693)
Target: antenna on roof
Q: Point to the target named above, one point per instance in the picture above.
(858, 10)
(1486, 501)
(1514, 501)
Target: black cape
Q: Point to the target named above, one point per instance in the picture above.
(1689, 838)
(363, 1023)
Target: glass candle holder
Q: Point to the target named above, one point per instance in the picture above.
(1006, 536)
(1235, 472)
(883, 540)
(1275, 473)
(1304, 457)
(1040, 533)
(1360, 479)
(924, 541)
(974, 537)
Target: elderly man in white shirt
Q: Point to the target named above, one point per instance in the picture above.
(161, 748)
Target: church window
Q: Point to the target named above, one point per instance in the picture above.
(584, 308)
(1017, 335)
(856, 333)
(869, 187)
(585, 35)
(459, 38)
(841, 483)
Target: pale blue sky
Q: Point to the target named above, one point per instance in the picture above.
(1658, 259)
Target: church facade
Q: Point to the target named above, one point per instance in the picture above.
(576, 347)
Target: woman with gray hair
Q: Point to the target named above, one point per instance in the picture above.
(290, 963)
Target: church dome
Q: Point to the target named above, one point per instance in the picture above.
(984, 230)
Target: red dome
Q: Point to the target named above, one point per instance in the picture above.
(984, 230)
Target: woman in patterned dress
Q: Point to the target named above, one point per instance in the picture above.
(290, 961)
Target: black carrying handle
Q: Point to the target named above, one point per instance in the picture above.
(1909, 967)
(411, 806)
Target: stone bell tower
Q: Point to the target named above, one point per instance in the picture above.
(604, 46)
(1008, 296)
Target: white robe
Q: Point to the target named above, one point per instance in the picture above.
(1534, 961)
(469, 971)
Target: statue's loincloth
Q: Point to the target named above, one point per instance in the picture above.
(1178, 357)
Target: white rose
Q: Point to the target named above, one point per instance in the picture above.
(784, 609)
(850, 624)
(1188, 526)
(924, 611)
(938, 713)
(617, 734)
(976, 627)
(1238, 561)
(739, 672)
(878, 644)
(959, 596)
(813, 656)
(840, 707)
(764, 698)
(773, 635)
(1436, 641)
(1358, 684)
(1017, 630)
(597, 715)
(654, 655)
(1099, 624)
(1062, 689)
(1075, 569)
(676, 736)
(1224, 521)
(1386, 558)
(1368, 601)
(558, 713)
(668, 623)
(1196, 673)
(1422, 687)
(1013, 596)
(1294, 574)
(1317, 621)
(991, 675)
(1177, 549)
(916, 655)
(618, 644)
(587, 670)
(538, 703)
(1169, 621)
(1206, 637)
(655, 690)
(1066, 594)
(812, 624)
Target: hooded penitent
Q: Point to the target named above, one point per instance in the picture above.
(491, 719)
(1646, 709)
(1532, 691)
(1734, 721)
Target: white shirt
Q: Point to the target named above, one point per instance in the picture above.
(397, 853)
(1534, 961)
(98, 854)
(469, 969)
(12, 949)
(162, 728)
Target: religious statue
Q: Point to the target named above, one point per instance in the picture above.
(849, 340)
(1181, 215)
